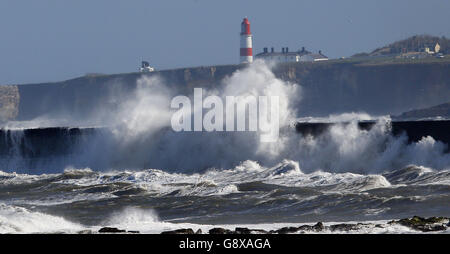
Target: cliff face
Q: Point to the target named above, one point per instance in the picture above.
(442, 110)
(327, 88)
(375, 89)
(9, 102)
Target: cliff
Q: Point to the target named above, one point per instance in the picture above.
(9, 102)
(327, 88)
(441, 111)
(414, 43)
(374, 88)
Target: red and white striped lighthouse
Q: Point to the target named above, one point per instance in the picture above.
(246, 42)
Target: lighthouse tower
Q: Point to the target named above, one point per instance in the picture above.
(246, 42)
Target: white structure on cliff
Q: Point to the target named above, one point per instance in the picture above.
(285, 56)
(145, 67)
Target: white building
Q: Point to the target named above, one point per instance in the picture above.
(287, 57)
(145, 67)
(312, 57)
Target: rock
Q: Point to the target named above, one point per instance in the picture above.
(245, 231)
(431, 228)
(305, 228)
(133, 231)
(424, 224)
(111, 230)
(220, 231)
(87, 231)
(199, 231)
(183, 231)
(319, 226)
(343, 227)
(286, 230)
(418, 223)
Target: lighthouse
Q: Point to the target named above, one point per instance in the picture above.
(246, 55)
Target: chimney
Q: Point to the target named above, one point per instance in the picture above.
(287, 49)
(303, 49)
(265, 50)
(320, 52)
(282, 50)
(271, 50)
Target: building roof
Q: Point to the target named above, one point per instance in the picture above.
(279, 54)
(302, 52)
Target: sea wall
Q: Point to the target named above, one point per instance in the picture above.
(327, 88)
(414, 130)
(57, 148)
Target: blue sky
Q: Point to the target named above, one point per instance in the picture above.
(52, 40)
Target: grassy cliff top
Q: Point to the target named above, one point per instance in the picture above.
(219, 71)
(414, 43)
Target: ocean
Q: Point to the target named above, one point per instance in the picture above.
(132, 171)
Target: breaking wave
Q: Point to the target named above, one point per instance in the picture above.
(133, 171)
(14, 219)
(138, 136)
(153, 200)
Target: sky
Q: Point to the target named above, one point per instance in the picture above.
(54, 40)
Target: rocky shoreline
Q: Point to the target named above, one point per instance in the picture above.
(419, 224)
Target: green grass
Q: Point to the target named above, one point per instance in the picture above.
(390, 60)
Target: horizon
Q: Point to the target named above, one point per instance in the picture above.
(49, 41)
